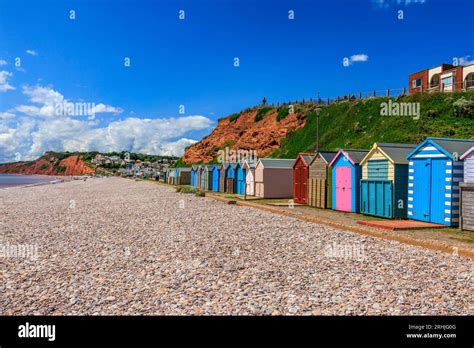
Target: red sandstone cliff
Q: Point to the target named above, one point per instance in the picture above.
(49, 165)
(244, 134)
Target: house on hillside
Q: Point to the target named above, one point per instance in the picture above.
(442, 78)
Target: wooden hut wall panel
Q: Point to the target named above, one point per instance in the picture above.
(376, 197)
(378, 156)
(317, 169)
(378, 169)
(317, 193)
(469, 166)
(278, 183)
(467, 206)
(467, 192)
(184, 178)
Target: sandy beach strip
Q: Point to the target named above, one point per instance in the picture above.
(117, 246)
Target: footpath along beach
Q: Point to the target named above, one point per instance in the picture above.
(115, 246)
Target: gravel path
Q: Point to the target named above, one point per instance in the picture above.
(116, 246)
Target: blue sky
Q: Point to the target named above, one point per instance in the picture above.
(190, 62)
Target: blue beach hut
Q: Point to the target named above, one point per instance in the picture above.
(240, 179)
(434, 173)
(194, 169)
(216, 173)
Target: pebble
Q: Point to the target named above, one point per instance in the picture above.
(129, 248)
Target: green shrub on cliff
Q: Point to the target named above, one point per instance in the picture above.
(261, 113)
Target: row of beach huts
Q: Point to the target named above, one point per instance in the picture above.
(432, 181)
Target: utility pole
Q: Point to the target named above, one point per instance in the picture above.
(317, 129)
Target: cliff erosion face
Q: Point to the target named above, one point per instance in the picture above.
(244, 134)
(49, 165)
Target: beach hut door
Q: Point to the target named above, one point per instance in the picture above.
(343, 188)
(421, 190)
(438, 190)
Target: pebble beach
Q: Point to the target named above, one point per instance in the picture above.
(112, 246)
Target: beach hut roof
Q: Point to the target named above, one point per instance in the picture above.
(446, 145)
(395, 153)
(277, 163)
(354, 156)
(185, 169)
(219, 166)
(306, 157)
(195, 167)
(467, 153)
(249, 164)
(327, 156)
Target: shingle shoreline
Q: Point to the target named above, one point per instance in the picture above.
(116, 246)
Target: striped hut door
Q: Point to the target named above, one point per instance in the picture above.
(439, 211)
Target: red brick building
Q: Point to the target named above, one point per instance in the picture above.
(442, 78)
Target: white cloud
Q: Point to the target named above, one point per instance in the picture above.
(466, 60)
(4, 85)
(5, 115)
(32, 52)
(35, 132)
(102, 108)
(151, 136)
(53, 104)
(359, 58)
(3, 62)
(388, 3)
